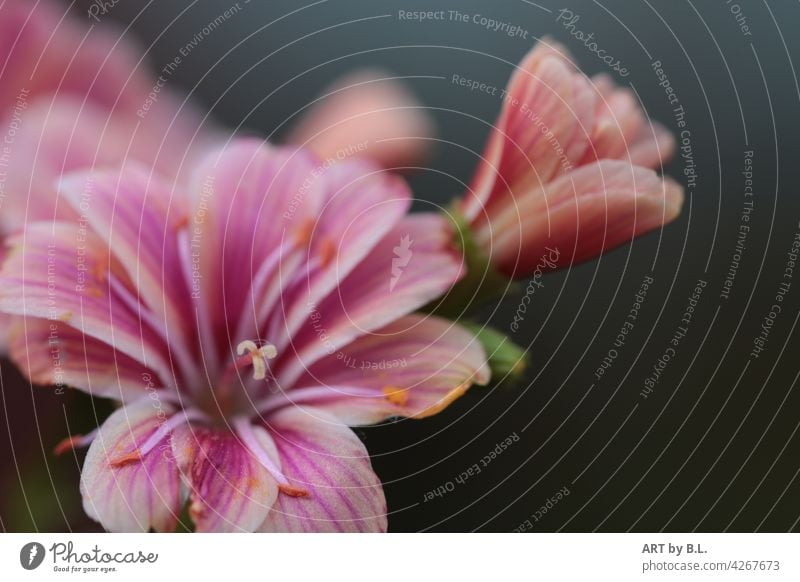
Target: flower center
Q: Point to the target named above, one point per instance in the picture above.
(250, 354)
(230, 393)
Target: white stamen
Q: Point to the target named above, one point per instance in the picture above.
(258, 356)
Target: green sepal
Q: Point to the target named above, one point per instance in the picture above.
(507, 360)
(481, 283)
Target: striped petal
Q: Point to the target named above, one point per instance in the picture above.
(363, 204)
(595, 208)
(543, 130)
(413, 265)
(229, 490)
(618, 121)
(136, 496)
(622, 131)
(327, 460)
(62, 271)
(248, 201)
(134, 213)
(414, 367)
(50, 352)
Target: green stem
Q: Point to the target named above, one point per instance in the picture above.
(481, 283)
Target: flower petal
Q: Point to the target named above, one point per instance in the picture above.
(622, 130)
(50, 352)
(411, 266)
(229, 490)
(44, 50)
(370, 114)
(60, 271)
(654, 146)
(58, 135)
(77, 96)
(134, 213)
(618, 121)
(362, 206)
(137, 496)
(414, 367)
(249, 199)
(543, 129)
(581, 214)
(326, 458)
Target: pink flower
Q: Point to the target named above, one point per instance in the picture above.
(244, 322)
(78, 97)
(568, 167)
(73, 98)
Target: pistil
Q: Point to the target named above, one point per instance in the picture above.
(250, 354)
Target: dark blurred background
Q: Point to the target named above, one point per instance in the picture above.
(714, 446)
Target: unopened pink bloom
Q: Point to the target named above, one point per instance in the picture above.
(244, 322)
(569, 166)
